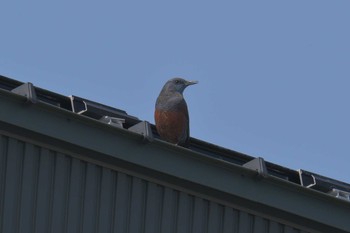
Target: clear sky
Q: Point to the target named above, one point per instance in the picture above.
(273, 76)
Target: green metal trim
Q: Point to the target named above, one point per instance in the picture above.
(173, 164)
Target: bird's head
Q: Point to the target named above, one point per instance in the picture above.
(177, 85)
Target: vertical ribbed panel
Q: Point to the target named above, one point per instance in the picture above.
(45, 191)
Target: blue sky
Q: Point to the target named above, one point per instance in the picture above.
(273, 76)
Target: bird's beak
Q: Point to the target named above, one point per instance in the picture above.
(188, 83)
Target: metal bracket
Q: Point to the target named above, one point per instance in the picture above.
(257, 164)
(98, 111)
(323, 184)
(143, 128)
(27, 90)
(117, 122)
(340, 194)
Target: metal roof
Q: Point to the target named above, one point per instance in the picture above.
(48, 191)
(74, 127)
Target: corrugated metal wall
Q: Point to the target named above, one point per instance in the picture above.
(45, 191)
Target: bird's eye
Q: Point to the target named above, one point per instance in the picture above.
(177, 81)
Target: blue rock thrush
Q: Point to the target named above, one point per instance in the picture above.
(171, 114)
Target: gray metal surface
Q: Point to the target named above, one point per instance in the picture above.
(63, 172)
(42, 190)
(120, 118)
(73, 139)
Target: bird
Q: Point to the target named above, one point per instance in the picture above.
(171, 112)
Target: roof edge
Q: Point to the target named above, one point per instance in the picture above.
(101, 139)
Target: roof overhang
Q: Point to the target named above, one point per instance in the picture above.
(212, 178)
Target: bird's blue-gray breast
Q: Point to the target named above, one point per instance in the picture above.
(170, 102)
